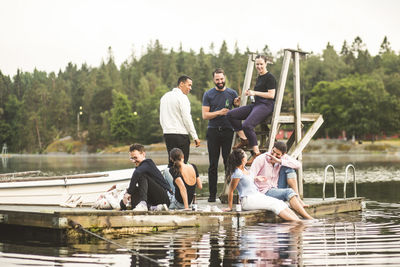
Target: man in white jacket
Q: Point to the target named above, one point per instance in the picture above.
(176, 120)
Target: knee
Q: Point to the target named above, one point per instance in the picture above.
(229, 116)
(291, 174)
(247, 126)
(288, 171)
(290, 193)
(213, 168)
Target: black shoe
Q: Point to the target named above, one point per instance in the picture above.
(212, 199)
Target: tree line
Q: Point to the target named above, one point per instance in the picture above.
(355, 91)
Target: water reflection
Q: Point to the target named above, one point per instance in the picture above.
(368, 238)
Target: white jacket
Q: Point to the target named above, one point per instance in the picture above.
(175, 117)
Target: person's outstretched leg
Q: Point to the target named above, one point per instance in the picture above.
(298, 206)
(288, 215)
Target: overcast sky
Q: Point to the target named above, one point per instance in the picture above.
(47, 34)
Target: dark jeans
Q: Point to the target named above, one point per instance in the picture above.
(252, 115)
(181, 141)
(218, 139)
(146, 189)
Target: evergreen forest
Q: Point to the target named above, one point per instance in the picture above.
(118, 105)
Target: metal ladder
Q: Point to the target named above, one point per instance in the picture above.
(334, 181)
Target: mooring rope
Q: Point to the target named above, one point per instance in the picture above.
(79, 227)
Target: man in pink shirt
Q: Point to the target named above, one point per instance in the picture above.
(274, 172)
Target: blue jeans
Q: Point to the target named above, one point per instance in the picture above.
(284, 194)
(175, 205)
(168, 177)
(284, 174)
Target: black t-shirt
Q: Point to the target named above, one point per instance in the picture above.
(149, 168)
(263, 84)
(190, 189)
(218, 100)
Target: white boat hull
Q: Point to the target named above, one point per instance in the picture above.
(56, 192)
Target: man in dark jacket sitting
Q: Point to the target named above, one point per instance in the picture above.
(147, 188)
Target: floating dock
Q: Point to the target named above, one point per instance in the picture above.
(55, 223)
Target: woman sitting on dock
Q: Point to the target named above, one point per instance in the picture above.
(250, 197)
(185, 177)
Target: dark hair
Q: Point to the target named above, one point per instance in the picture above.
(218, 70)
(234, 161)
(176, 155)
(183, 79)
(137, 147)
(263, 57)
(281, 146)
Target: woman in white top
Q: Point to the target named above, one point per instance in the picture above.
(251, 198)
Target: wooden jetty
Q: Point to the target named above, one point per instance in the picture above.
(55, 223)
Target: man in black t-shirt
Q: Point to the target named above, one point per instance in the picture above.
(216, 103)
(148, 186)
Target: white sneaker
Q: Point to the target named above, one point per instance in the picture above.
(142, 206)
(162, 207)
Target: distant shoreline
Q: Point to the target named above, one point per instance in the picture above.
(326, 147)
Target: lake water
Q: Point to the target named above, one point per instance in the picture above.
(368, 238)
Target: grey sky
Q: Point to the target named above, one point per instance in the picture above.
(47, 34)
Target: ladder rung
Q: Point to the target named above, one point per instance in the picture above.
(288, 118)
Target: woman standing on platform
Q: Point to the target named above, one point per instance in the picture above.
(250, 197)
(254, 113)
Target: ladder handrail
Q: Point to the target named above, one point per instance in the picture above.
(354, 180)
(334, 181)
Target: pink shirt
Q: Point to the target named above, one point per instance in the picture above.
(263, 167)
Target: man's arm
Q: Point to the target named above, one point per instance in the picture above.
(187, 118)
(207, 115)
(290, 162)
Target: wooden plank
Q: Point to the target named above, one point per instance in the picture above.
(246, 85)
(335, 206)
(130, 222)
(304, 117)
(247, 79)
(307, 137)
(296, 50)
(297, 116)
(278, 100)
